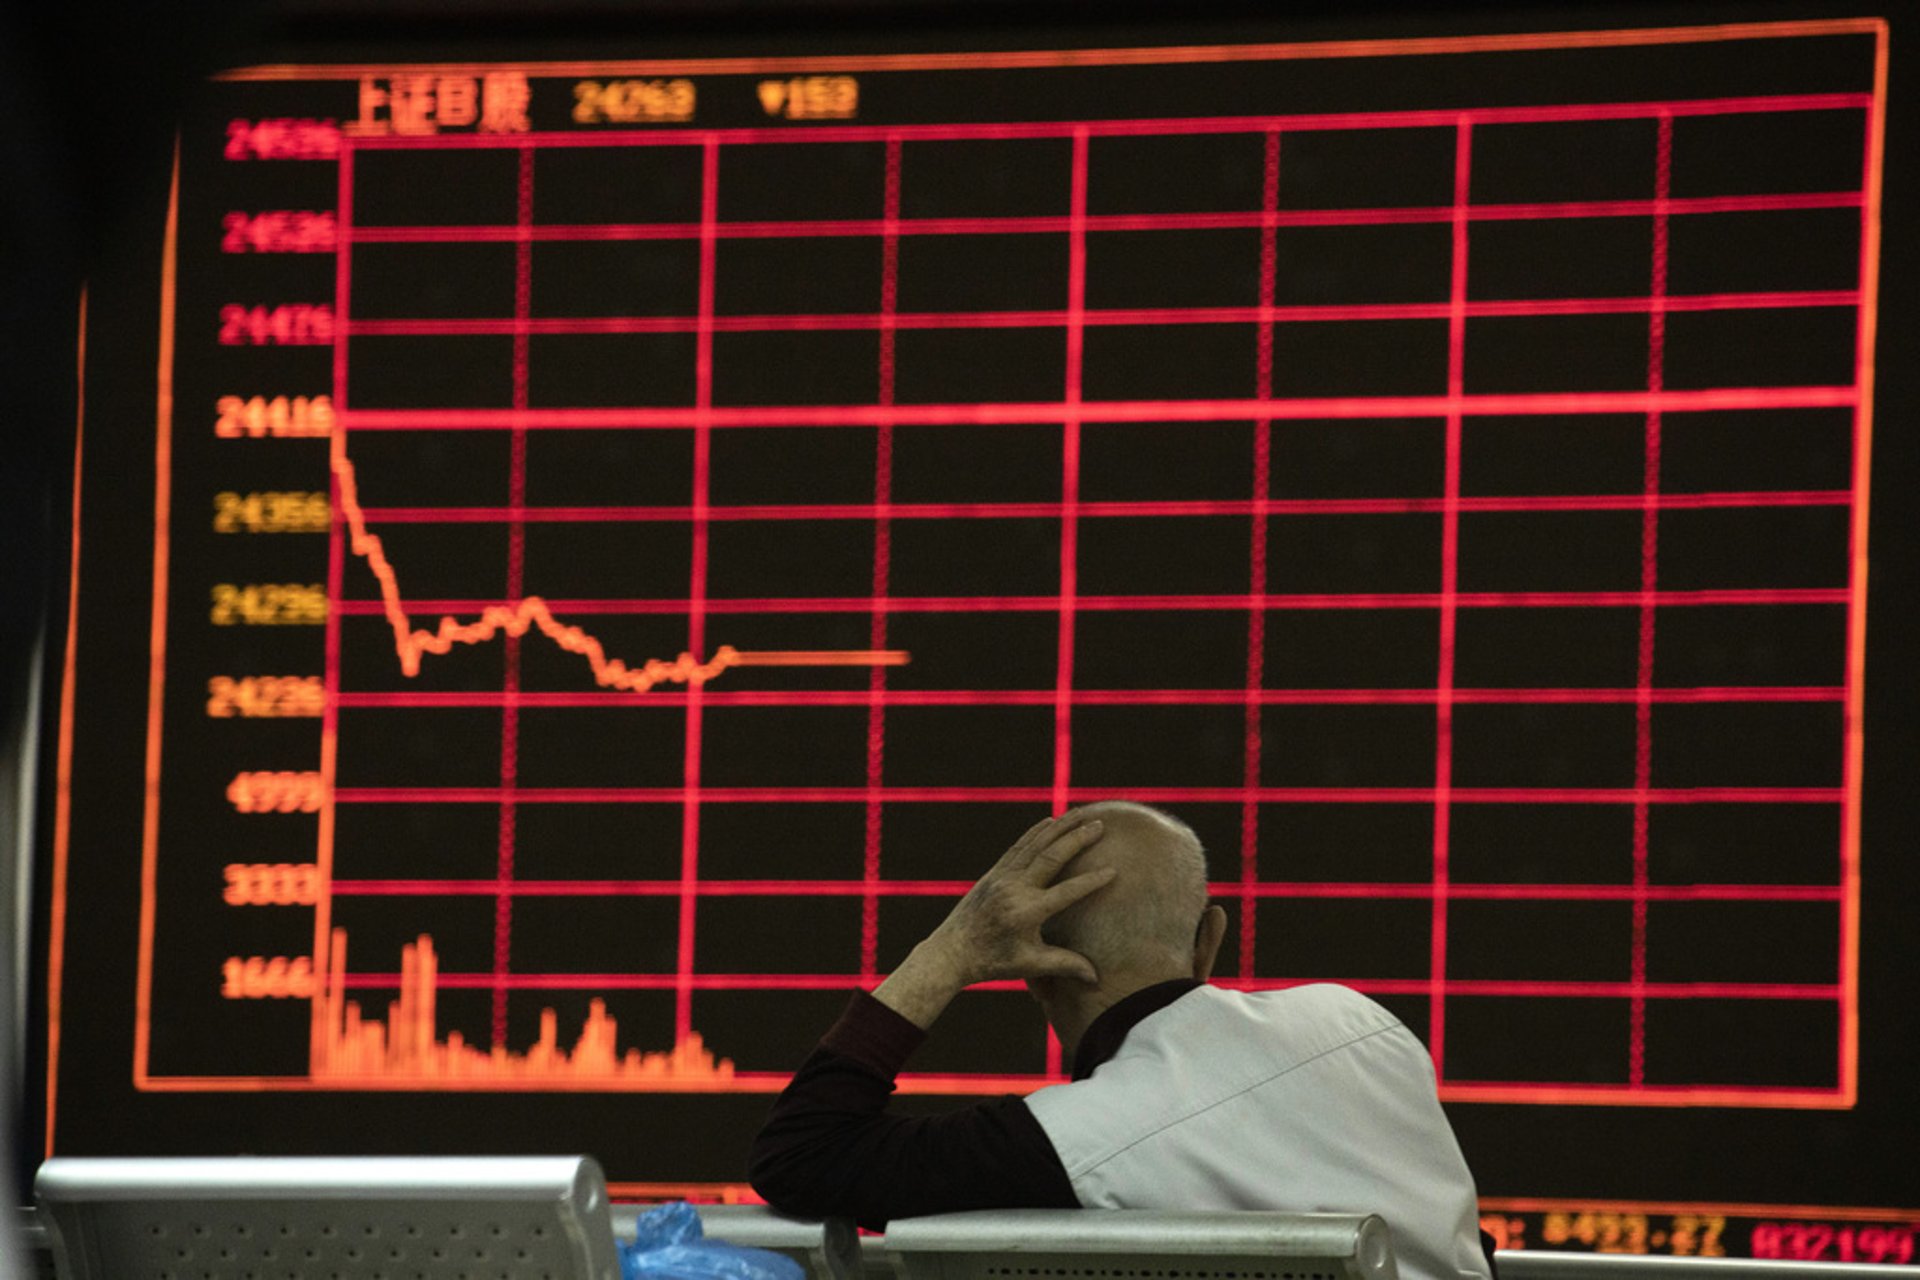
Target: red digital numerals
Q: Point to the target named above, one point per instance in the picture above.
(282, 139)
(279, 231)
(1833, 1242)
(297, 324)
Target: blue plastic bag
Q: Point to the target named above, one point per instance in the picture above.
(668, 1245)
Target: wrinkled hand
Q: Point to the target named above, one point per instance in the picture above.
(994, 931)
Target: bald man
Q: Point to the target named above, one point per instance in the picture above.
(1184, 1095)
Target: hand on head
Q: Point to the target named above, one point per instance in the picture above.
(995, 930)
(1076, 951)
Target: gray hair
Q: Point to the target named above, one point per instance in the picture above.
(1147, 917)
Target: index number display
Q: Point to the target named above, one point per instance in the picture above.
(632, 101)
(277, 791)
(279, 231)
(1688, 1235)
(271, 884)
(264, 697)
(275, 511)
(296, 324)
(268, 604)
(282, 139)
(267, 978)
(1601, 1232)
(1833, 1242)
(241, 418)
(811, 97)
(1698, 1236)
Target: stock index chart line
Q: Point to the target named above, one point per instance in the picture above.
(749, 416)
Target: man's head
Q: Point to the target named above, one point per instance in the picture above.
(1150, 924)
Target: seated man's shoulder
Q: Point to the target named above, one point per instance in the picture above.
(1216, 1041)
(1320, 1012)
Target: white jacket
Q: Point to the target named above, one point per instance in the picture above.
(1310, 1099)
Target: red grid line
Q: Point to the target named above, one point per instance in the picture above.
(1069, 502)
(1045, 795)
(515, 588)
(1649, 584)
(1112, 316)
(1094, 697)
(1162, 127)
(1449, 606)
(1057, 224)
(1049, 604)
(1376, 986)
(886, 510)
(697, 611)
(318, 1024)
(1257, 566)
(1070, 488)
(882, 569)
(407, 888)
(1866, 319)
(1528, 404)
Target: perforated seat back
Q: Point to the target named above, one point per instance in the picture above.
(331, 1218)
(1141, 1244)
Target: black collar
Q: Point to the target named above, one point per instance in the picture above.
(1104, 1036)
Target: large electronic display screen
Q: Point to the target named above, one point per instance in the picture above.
(599, 554)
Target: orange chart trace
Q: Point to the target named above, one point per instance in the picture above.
(532, 612)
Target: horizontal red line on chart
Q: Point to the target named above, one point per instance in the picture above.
(1060, 319)
(910, 1082)
(1164, 127)
(644, 982)
(1081, 697)
(1059, 224)
(1541, 892)
(1157, 55)
(1086, 604)
(1796, 1097)
(954, 888)
(1102, 510)
(1030, 412)
(1042, 795)
(647, 888)
(847, 982)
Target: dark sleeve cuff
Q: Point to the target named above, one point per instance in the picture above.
(873, 1035)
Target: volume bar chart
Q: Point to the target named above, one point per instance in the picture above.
(405, 1051)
